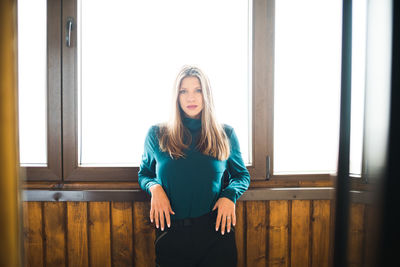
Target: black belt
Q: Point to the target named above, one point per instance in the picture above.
(197, 220)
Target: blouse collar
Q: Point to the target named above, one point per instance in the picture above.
(192, 124)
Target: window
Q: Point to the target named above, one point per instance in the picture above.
(32, 84)
(307, 86)
(39, 79)
(100, 87)
(125, 79)
(102, 82)
(358, 85)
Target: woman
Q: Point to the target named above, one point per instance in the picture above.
(182, 168)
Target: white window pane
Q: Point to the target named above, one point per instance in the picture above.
(358, 84)
(129, 55)
(32, 75)
(307, 86)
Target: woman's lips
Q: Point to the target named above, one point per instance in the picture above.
(192, 106)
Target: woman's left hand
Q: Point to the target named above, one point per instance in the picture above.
(226, 213)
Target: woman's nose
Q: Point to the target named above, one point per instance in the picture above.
(191, 97)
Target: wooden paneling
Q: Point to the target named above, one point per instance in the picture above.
(99, 234)
(320, 233)
(33, 235)
(240, 237)
(77, 241)
(55, 231)
(256, 232)
(300, 233)
(144, 235)
(122, 232)
(268, 233)
(356, 235)
(371, 241)
(278, 233)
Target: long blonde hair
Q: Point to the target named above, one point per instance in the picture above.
(213, 140)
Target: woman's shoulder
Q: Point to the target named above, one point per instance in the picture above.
(228, 129)
(156, 130)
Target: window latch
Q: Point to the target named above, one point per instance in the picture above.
(268, 168)
(68, 32)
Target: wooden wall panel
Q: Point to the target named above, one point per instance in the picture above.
(320, 233)
(122, 233)
(54, 230)
(268, 233)
(256, 232)
(371, 226)
(240, 237)
(33, 235)
(77, 243)
(279, 233)
(356, 235)
(300, 233)
(144, 235)
(99, 234)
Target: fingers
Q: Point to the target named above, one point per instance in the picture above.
(156, 219)
(219, 216)
(160, 208)
(226, 222)
(162, 220)
(160, 217)
(151, 215)
(168, 217)
(223, 224)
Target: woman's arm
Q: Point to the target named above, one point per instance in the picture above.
(148, 180)
(147, 172)
(239, 180)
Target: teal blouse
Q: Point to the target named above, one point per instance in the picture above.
(193, 184)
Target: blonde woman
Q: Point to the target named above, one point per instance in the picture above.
(182, 169)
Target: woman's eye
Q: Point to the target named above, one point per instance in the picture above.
(198, 90)
(182, 91)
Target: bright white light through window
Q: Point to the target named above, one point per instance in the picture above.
(307, 86)
(358, 84)
(129, 54)
(32, 85)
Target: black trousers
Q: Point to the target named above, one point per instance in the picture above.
(190, 243)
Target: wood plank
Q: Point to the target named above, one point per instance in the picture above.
(356, 235)
(122, 234)
(320, 231)
(256, 232)
(54, 229)
(99, 234)
(373, 215)
(144, 235)
(77, 243)
(279, 233)
(239, 233)
(331, 231)
(33, 235)
(300, 233)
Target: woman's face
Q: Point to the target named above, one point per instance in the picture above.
(191, 97)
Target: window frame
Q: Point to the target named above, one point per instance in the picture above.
(63, 107)
(53, 171)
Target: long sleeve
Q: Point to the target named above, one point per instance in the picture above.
(239, 180)
(147, 171)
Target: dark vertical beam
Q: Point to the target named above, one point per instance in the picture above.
(343, 183)
(389, 248)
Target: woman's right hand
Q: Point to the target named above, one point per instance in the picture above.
(160, 206)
